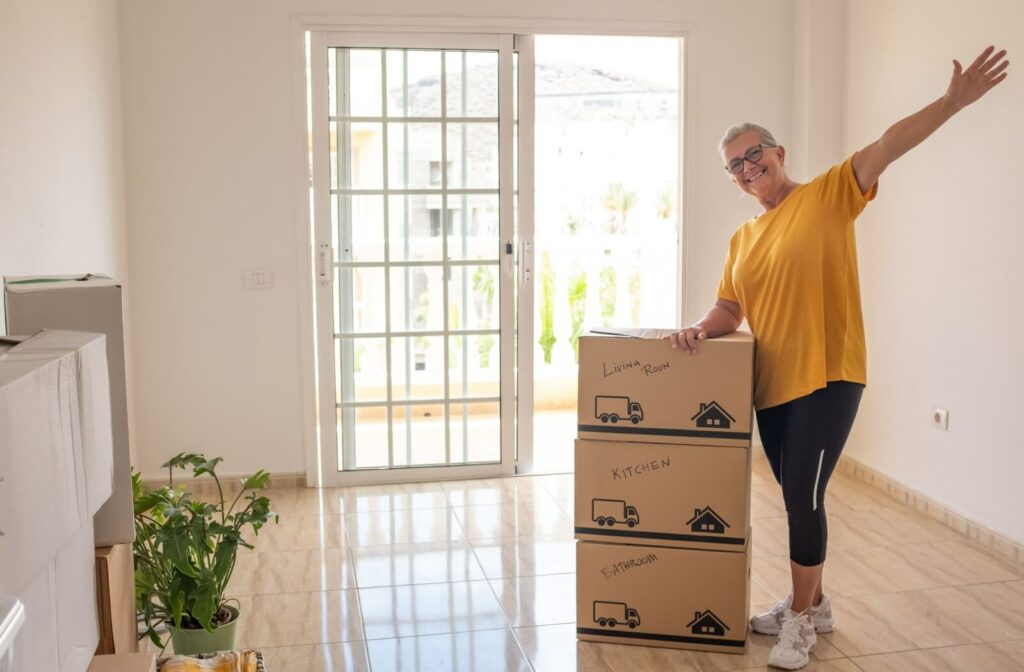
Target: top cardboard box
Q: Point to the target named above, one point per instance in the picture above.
(633, 386)
(85, 303)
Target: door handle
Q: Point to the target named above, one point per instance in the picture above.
(525, 261)
(322, 263)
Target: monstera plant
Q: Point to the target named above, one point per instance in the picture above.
(185, 550)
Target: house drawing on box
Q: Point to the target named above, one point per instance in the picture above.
(706, 623)
(706, 520)
(713, 416)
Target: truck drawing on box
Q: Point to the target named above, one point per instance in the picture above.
(611, 511)
(707, 521)
(612, 409)
(713, 416)
(706, 623)
(610, 614)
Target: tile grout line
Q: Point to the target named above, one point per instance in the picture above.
(508, 623)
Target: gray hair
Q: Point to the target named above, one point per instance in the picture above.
(766, 136)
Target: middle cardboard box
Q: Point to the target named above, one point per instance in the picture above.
(663, 494)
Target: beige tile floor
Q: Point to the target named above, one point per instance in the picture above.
(479, 575)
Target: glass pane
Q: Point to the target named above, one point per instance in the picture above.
(606, 214)
(359, 228)
(471, 79)
(414, 156)
(418, 433)
(332, 80)
(473, 296)
(362, 144)
(414, 83)
(369, 435)
(359, 300)
(473, 156)
(473, 228)
(473, 366)
(361, 367)
(415, 228)
(417, 365)
(416, 299)
(362, 90)
(475, 432)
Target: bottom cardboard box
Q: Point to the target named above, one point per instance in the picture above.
(657, 596)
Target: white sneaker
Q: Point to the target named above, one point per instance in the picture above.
(796, 641)
(770, 622)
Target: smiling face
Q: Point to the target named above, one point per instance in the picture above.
(763, 179)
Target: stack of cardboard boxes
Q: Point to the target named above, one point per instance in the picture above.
(663, 491)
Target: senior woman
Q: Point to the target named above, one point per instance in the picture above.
(791, 272)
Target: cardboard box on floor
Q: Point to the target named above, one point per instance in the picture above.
(115, 599)
(663, 494)
(85, 303)
(633, 386)
(55, 474)
(655, 596)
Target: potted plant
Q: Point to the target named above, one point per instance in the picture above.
(185, 552)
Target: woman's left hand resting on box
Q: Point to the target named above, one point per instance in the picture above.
(724, 317)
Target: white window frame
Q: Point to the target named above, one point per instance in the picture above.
(522, 29)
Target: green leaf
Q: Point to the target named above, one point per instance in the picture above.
(177, 607)
(257, 481)
(207, 466)
(204, 605)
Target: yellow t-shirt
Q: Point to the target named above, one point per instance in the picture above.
(793, 270)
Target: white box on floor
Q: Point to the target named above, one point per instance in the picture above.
(93, 304)
(56, 469)
(61, 632)
(56, 457)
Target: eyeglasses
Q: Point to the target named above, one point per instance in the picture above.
(753, 155)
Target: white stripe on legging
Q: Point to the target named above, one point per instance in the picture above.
(821, 457)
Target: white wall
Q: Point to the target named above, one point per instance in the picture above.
(212, 184)
(61, 159)
(940, 258)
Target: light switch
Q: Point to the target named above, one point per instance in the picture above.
(258, 278)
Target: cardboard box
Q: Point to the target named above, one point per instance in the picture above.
(655, 596)
(115, 599)
(93, 304)
(633, 386)
(60, 632)
(55, 474)
(55, 448)
(663, 494)
(124, 662)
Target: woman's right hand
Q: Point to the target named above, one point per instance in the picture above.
(688, 338)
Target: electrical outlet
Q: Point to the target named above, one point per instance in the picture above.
(940, 418)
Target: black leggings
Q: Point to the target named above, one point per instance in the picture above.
(803, 439)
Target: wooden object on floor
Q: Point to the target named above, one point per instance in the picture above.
(115, 600)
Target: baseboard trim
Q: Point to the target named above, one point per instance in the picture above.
(1000, 545)
(232, 483)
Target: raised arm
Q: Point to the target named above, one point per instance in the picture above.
(965, 87)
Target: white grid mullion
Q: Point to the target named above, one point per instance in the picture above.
(387, 249)
(413, 334)
(419, 120)
(465, 285)
(444, 253)
(414, 192)
(417, 402)
(417, 264)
